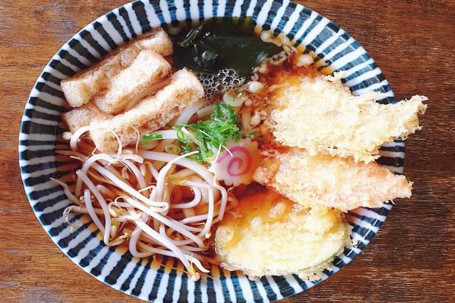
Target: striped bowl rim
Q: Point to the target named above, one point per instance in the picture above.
(163, 281)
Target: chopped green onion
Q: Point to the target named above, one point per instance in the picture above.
(252, 134)
(210, 135)
(151, 137)
(172, 149)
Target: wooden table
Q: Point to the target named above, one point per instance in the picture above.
(411, 260)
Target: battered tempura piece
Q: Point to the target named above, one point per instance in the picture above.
(321, 115)
(331, 181)
(267, 234)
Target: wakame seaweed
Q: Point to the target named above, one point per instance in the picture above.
(219, 44)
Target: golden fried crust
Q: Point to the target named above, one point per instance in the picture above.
(267, 234)
(331, 181)
(320, 115)
(82, 116)
(142, 78)
(87, 84)
(151, 113)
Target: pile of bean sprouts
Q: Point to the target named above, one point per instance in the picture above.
(155, 201)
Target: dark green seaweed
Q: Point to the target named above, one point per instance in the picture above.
(219, 44)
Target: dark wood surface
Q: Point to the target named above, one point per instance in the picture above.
(413, 257)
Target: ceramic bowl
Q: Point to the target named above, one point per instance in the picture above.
(146, 278)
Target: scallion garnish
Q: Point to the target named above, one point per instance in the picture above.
(172, 149)
(147, 138)
(211, 135)
(252, 134)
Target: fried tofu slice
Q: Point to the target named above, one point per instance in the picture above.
(150, 114)
(267, 234)
(143, 77)
(84, 86)
(321, 115)
(82, 116)
(331, 181)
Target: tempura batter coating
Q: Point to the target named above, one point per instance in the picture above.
(267, 234)
(321, 115)
(331, 181)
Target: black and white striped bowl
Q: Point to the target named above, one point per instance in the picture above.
(144, 278)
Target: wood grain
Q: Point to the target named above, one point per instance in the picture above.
(411, 260)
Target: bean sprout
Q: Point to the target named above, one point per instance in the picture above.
(157, 202)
